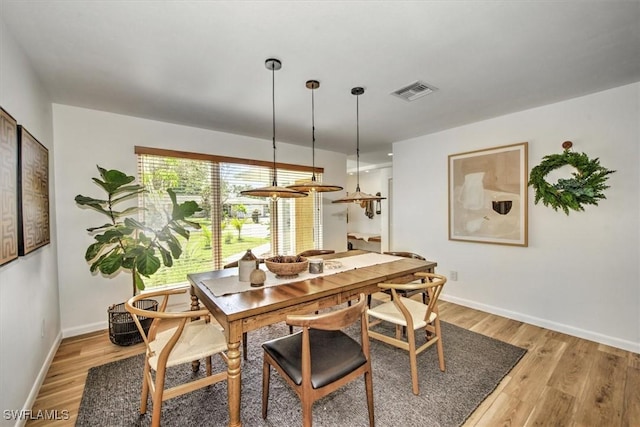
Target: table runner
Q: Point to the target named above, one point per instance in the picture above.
(231, 284)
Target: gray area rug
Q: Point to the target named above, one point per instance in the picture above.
(475, 366)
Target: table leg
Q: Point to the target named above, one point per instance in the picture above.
(234, 384)
(195, 306)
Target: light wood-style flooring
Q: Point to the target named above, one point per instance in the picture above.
(561, 381)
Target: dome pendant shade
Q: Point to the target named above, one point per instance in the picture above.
(274, 192)
(313, 185)
(358, 196)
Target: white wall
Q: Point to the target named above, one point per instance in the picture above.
(580, 273)
(85, 138)
(28, 285)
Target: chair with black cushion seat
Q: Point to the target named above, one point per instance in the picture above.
(320, 358)
(189, 341)
(414, 315)
(315, 252)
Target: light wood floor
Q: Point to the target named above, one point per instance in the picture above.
(561, 381)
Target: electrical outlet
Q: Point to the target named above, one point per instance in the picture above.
(42, 329)
(453, 275)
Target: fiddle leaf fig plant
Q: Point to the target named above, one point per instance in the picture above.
(126, 243)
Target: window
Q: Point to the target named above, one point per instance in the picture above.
(230, 223)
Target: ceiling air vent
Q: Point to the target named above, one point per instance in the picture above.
(414, 91)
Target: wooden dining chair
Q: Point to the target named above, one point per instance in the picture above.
(320, 358)
(189, 341)
(409, 293)
(414, 315)
(315, 252)
(405, 293)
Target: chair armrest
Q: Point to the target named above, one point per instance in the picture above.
(403, 286)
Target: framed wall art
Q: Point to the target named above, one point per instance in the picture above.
(488, 195)
(33, 231)
(8, 187)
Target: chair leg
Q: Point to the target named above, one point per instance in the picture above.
(307, 411)
(368, 384)
(145, 388)
(413, 361)
(208, 365)
(439, 345)
(244, 345)
(266, 374)
(157, 398)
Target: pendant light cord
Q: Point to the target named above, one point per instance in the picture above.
(358, 143)
(313, 136)
(273, 118)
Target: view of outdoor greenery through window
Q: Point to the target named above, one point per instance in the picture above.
(230, 223)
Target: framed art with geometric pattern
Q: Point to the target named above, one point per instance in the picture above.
(33, 183)
(8, 187)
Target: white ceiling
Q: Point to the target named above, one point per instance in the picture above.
(201, 63)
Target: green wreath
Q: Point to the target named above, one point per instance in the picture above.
(584, 188)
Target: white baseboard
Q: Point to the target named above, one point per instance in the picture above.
(85, 329)
(35, 389)
(178, 305)
(544, 323)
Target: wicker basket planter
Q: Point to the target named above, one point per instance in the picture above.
(286, 266)
(122, 329)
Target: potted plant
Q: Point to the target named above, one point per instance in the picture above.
(124, 243)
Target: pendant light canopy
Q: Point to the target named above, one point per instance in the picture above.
(358, 196)
(314, 185)
(274, 192)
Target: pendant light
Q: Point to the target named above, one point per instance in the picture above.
(273, 191)
(314, 185)
(358, 196)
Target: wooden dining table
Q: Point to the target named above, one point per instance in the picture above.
(250, 310)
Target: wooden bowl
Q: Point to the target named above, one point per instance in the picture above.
(286, 266)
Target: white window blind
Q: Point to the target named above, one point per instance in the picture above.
(230, 223)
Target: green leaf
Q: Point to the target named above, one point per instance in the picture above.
(172, 196)
(97, 262)
(175, 247)
(112, 180)
(167, 260)
(179, 229)
(111, 263)
(109, 236)
(134, 189)
(92, 203)
(134, 223)
(93, 250)
(126, 212)
(102, 227)
(138, 281)
(192, 224)
(147, 263)
(85, 200)
(126, 196)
